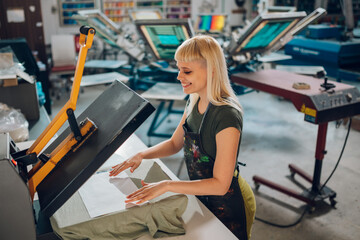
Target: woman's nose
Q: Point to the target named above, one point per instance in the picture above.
(179, 76)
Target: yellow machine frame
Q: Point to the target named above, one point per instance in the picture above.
(71, 143)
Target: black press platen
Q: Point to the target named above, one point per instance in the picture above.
(117, 112)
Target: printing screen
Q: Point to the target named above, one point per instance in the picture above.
(101, 27)
(265, 31)
(266, 35)
(211, 23)
(164, 39)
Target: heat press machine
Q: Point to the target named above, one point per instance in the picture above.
(58, 169)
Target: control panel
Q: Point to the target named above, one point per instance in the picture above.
(333, 105)
(331, 99)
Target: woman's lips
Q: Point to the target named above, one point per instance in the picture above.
(185, 85)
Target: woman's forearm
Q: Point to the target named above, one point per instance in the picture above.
(210, 186)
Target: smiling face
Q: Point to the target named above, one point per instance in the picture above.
(193, 77)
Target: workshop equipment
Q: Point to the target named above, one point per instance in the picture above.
(340, 59)
(324, 31)
(69, 160)
(320, 103)
(45, 163)
(332, 47)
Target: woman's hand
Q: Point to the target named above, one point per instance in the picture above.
(132, 163)
(148, 192)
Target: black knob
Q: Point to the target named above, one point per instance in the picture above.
(327, 85)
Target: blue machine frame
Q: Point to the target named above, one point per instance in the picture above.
(338, 58)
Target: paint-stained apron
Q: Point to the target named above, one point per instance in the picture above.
(236, 209)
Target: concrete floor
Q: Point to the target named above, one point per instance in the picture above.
(274, 136)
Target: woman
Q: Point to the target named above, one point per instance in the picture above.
(210, 133)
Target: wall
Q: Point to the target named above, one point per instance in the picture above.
(50, 15)
(50, 12)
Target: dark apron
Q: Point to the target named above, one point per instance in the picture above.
(229, 209)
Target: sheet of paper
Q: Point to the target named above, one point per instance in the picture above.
(102, 194)
(15, 15)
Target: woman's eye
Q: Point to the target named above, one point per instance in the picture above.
(187, 72)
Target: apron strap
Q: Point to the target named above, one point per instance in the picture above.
(237, 168)
(202, 120)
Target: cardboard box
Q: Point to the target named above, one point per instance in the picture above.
(9, 82)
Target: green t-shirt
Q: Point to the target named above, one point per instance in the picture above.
(217, 119)
(160, 218)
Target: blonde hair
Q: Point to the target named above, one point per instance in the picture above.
(206, 48)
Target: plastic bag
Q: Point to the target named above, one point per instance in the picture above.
(13, 122)
(10, 65)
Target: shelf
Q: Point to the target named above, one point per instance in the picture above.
(147, 1)
(116, 1)
(75, 10)
(77, 2)
(181, 12)
(117, 10)
(178, 6)
(118, 4)
(148, 7)
(68, 8)
(118, 7)
(118, 15)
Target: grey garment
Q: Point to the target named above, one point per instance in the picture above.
(161, 218)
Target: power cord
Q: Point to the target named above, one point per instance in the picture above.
(284, 226)
(322, 187)
(338, 161)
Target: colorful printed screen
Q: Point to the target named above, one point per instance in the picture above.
(211, 23)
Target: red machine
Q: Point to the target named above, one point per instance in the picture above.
(320, 103)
